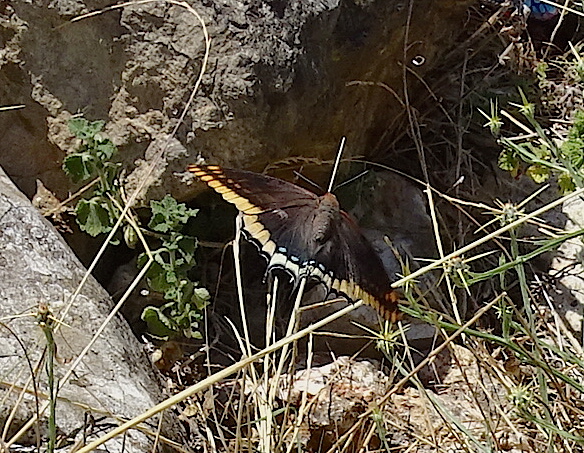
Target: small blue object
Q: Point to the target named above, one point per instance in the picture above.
(540, 10)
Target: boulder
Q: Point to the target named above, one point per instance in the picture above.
(284, 78)
(112, 382)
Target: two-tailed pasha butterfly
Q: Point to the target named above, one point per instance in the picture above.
(305, 234)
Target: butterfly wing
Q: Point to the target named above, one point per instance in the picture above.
(359, 272)
(252, 193)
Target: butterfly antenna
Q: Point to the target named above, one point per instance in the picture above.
(308, 180)
(337, 161)
(350, 180)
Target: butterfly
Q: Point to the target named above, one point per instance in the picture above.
(307, 235)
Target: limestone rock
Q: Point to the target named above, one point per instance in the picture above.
(113, 380)
(285, 78)
(568, 268)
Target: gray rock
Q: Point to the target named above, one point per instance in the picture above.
(113, 381)
(337, 394)
(568, 269)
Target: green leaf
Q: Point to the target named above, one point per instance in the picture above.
(141, 260)
(84, 129)
(93, 217)
(157, 277)
(168, 215)
(130, 236)
(541, 69)
(573, 150)
(526, 108)
(77, 126)
(105, 149)
(566, 183)
(577, 130)
(186, 247)
(538, 173)
(201, 297)
(172, 293)
(182, 317)
(171, 277)
(194, 334)
(79, 166)
(539, 150)
(508, 161)
(158, 323)
(494, 122)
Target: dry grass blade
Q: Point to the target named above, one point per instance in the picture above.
(488, 237)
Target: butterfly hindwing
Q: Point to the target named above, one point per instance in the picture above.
(358, 264)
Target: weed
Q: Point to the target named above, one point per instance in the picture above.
(174, 259)
(169, 273)
(537, 154)
(97, 213)
(46, 323)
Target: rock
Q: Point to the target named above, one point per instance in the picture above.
(285, 78)
(462, 388)
(113, 381)
(567, 270)
(334, 397)
(338, 393)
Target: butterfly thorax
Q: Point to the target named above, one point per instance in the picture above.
(325, 217)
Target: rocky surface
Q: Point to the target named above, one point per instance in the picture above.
(113, 380)
(567, 271)
(333, 397)
(284, 78)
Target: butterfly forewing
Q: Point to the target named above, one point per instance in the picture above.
(263, 191)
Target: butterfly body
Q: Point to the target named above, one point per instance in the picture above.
(308, 236)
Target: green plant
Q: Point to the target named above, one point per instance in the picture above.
(173, 260)
(96, 214)
(536, 153)
(47, 324)
(169, 273)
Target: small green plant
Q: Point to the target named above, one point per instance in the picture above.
(575, 67)
(174, 259)
(536, 153)
(494, 121)
(169, 273)
(521, 397)
(47, 323)
(96, 214)
(381, 430)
